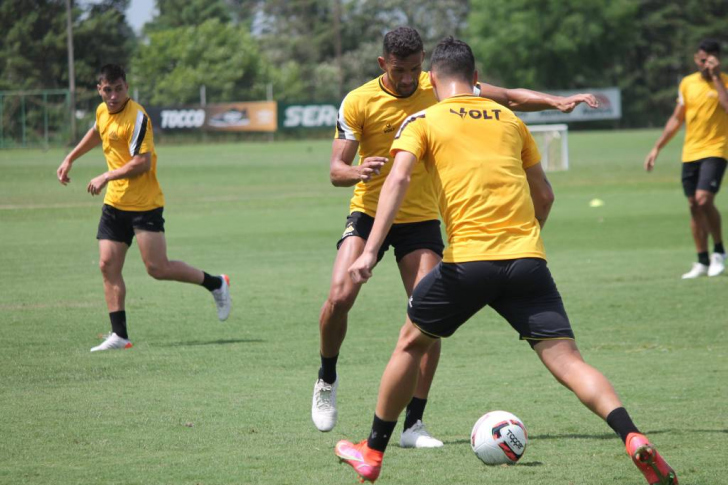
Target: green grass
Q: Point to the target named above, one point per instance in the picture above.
(199, 402)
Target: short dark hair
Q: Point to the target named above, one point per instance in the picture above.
(710, 46)
(111, 73)
(453, 58)
(402, 42)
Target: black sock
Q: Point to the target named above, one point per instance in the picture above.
(703, 258)
(212, 283)
(621, 423)
(718, 248)
(381, 432)
(327, 372)
(118, 323)
(415, 410)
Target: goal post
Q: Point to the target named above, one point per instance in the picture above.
(553, 143)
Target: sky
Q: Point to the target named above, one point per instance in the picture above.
(139, 13)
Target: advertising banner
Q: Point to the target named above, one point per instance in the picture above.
(293, 116)
(258, 116)
(610, 108)
(247, 116)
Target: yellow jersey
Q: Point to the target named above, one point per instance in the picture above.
(476, 152)
(371, 115)
(125, 134)
(706, 130)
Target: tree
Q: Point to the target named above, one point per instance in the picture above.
(33, 45)
(183, 13)
(172, 66)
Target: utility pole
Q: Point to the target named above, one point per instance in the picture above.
(337, 46)
(71, 70)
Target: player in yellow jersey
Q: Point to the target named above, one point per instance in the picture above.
(703, 105)
(368, 120)
(133, 203)
(494, 198)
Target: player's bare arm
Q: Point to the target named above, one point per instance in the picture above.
(671, 127)
(390, 199)
(541, 192)
(342, 171)
(712, 63)
(528, 100)
(136, 166)
(89, 141)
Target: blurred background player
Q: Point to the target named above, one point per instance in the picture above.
(133, 203)
(368, 119)
(703, 105)
(494, 199)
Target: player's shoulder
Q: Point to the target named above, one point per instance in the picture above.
(415, 117)
(365, 91)
(691, 79)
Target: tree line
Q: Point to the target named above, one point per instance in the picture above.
(317, 50)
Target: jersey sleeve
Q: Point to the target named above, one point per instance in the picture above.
(681, 93)
(350, 120)
(412, 136)
(142, 139)
(530, 155)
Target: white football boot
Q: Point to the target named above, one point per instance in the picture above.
(717, 264)
(222, 298)
(323, 407)
(698, 270)
(418, 437)
(112, 342)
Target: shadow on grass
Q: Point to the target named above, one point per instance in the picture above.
(212, 342)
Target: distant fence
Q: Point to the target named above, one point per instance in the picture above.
(34, 118)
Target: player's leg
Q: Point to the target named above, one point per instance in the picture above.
(333, 323)
(153, 249)
(711, 176)
(413, 267)
(115, 235)
(111, 262)
(564, 361)
(531, 303)
(698, 221)
(445, 298)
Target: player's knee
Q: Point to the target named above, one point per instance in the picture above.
(703, 200)
(157, 271)
(107, 267)
(341, 301)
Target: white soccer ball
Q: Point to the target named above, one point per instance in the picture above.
(499, 438)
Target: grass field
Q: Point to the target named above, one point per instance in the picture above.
(199, 402)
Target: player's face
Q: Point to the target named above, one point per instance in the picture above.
(402, 74)
(700, 57)
(114, 94)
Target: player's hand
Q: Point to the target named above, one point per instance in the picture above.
(370, 167)
(567, 105)
(97, 184)
(362, 268)
(651, 158)
(63, 170)
(712, 64)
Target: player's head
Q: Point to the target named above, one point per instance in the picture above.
(401, 60)
(452, 60)
(112, 87)
(706, 48)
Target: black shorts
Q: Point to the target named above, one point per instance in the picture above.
(521, 290)
(405, 238)
(704, 174)
(119, 225)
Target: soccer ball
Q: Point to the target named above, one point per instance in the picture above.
(499, 438)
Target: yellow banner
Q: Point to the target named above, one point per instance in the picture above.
(248, 116)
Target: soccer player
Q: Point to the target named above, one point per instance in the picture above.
(494, 199)
(133, 203)
(368, 119)
(703, 104)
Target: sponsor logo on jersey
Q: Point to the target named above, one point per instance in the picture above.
(388, 128)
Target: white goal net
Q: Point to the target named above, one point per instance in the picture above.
(553, 143)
